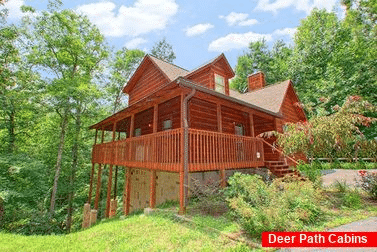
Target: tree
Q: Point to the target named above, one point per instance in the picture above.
(69, 49)
(163, 50)
(274, 63)
(122, 67)
(335, 135)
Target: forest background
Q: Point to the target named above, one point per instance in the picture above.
(58, 76)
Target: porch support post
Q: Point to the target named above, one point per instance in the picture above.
(127, 191)
(222, 178)
(103, 135)
(109, 181)
(132, 125)
(152, 200)
(252, 132)
(98, 189)
(91, 185)
(107, 213)
(95, 137)
(220, 129)
(152, 197)
(219, 119)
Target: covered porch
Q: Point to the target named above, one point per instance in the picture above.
(169, 133)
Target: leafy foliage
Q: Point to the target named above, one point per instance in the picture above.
(274, 63)
(285, 205)
(163, 50)
(336, 135)
(369, 183)
(122, 67)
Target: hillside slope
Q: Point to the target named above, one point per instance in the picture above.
(157, 232)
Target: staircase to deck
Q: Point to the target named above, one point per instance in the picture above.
(276, 161)
(279, 168)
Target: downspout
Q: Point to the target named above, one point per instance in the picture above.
(185, 144)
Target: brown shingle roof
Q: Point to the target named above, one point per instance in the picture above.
(172, 71)
(269, 98)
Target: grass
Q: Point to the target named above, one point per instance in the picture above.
(348, 166)
(157, 232)
(163, 231)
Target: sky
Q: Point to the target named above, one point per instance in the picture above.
(198, 30)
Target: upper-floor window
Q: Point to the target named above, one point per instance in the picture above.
(167, 124)
(239, 130)
(219, 84)
(137, 132)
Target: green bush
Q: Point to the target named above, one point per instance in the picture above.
(287, 204)
(311, 171)
(348, 197)
(352, 199)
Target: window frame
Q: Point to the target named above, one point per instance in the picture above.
(222, 91)
(170, 126)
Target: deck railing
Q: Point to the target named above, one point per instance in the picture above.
(213, 151)
(164, 151)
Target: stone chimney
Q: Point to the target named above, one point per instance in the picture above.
(256, 81)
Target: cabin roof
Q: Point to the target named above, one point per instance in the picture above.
(171, 71)
(212, 62)
(269, 98)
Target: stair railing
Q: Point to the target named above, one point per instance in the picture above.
(282, 153)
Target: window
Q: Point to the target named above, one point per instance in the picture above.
(167, 124)
(239, 130)
(219, 84)
(285, 127)
(137, 132)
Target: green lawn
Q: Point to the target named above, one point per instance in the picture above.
(157, 232)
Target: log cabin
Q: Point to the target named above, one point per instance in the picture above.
(180, 124)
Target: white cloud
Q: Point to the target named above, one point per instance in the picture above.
(238, 19)
(142, 17)
(285, 32)
(13, 7)
(198, 29)
(236, 41)
(248, 22)
(300, 5)
(135, 43)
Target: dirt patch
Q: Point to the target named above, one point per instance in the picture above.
(351, 177)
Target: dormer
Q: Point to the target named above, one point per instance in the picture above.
(151, 74)
(213, 75)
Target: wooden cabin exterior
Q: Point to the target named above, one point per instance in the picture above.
(180, 122)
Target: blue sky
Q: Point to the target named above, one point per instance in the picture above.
(198, 30)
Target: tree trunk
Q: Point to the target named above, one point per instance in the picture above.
(11, 128)
(58, 161)
(75, 149)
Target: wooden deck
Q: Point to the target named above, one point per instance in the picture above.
(164, 151)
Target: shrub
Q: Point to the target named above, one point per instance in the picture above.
(348, 197)
(285, 205)
(311, 171)
(369, 183)
(351, 199)
(208, 198)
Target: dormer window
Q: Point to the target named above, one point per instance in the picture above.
(219, 84)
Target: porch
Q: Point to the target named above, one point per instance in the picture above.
(164, 151)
